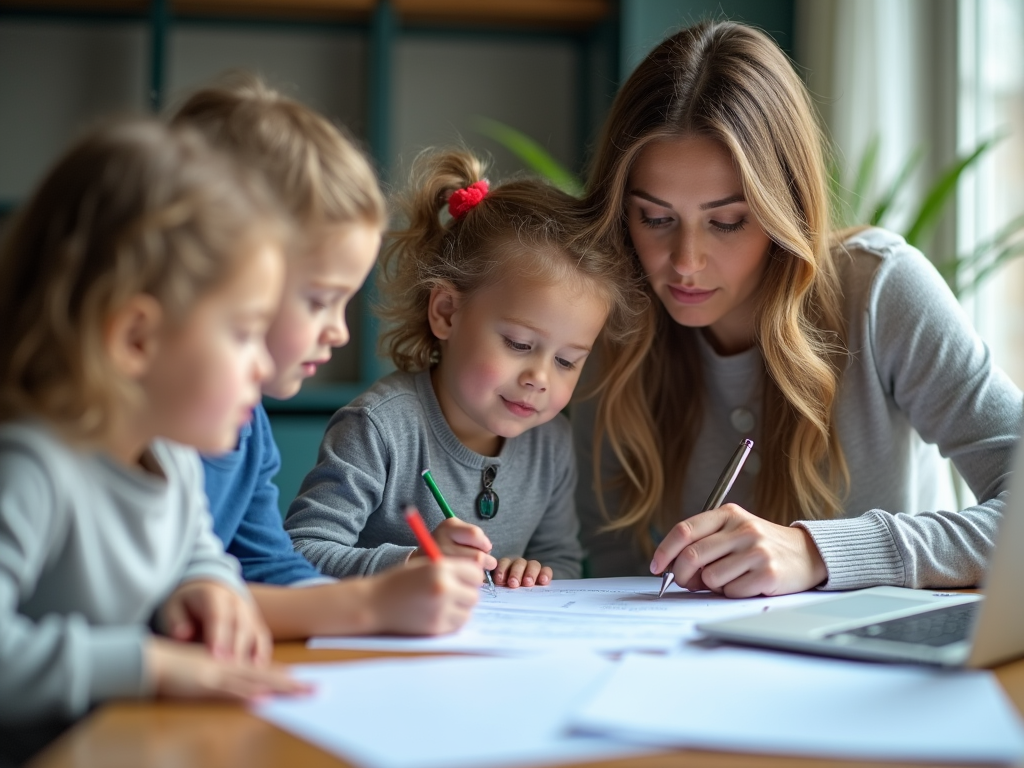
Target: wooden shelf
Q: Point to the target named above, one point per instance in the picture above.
(519, 13)
(381, 22)
(76, 6)
(546, 13)
(338, 10)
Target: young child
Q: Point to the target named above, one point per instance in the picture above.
(330, 191)
(493, 314)
(135, 290)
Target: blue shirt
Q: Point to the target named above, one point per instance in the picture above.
(243, 502)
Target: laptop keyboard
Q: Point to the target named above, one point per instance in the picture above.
(936, 628)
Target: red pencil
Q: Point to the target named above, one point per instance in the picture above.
(419, 528)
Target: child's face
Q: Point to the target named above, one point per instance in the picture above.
(206, 377)
(311, 318)
(511, 355)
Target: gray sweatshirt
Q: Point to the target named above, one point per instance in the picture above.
(918, 382)
(88, 550)
(347, 519)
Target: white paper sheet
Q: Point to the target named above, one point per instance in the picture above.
(766, 702)
(448, 712)
(599, 615)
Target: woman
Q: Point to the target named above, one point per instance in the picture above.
(835, 352)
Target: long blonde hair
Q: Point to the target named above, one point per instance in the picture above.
(523, 228)
(732, 84)
(133, 207)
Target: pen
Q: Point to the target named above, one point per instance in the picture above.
(419, 529)
(447, 512)
(728, 477)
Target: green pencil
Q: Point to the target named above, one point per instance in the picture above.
(447, 511)
(429, 480)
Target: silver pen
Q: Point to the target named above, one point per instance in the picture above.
(729, 475)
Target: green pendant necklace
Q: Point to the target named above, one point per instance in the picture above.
(487, 501)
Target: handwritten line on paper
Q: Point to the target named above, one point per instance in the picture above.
(600, 615)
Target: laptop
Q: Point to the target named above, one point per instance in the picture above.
(909, 625)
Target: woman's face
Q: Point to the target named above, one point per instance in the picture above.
(702, 250)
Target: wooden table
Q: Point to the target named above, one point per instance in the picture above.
(159, 735)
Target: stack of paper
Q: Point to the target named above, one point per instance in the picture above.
(449, 712)
(549, 707)
(453, 712)
(771, 702)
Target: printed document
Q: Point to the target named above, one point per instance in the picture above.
(599, 615)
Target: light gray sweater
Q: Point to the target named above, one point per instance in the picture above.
(918, 382)
(88, 550)
(347, 518)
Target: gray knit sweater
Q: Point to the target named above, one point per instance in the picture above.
(918, 382)
(88, 550)
(347, 518)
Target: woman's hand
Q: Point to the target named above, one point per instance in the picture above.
(733, 552)
(230, 626)
(513, 573)
(456, 538)
(188, 671)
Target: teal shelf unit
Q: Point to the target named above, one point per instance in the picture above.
(299, 423)
(606, 51)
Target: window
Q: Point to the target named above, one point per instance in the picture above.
(991, 101)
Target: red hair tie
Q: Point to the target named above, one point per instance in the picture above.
(462, 201)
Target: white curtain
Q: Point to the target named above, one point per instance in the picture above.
(992, 102)
(888, 69)
(885, 68)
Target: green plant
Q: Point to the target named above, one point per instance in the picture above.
(963, 272)
(531, 154)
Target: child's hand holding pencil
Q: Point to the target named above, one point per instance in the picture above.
(431, 598)
(456, 538)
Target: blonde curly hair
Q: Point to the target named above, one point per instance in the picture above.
(524, 228)
(134, 207)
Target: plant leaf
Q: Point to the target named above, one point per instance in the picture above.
(979, 277)
(941, 192)
(983, 252)
(949, 268)
(1005, 233)
(865, 175)
(885, 203)
(532, 154)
